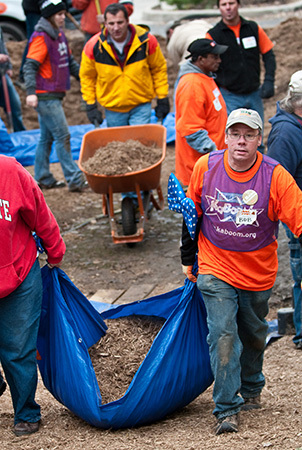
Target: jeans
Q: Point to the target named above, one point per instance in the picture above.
(1, 379)
(139, 115)
(295, 259)
(252, 100)
(15, 104)
(19, 323)
(54, 127)
(31, 20)
(237, 339)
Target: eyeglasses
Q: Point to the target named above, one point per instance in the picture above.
(247, 137)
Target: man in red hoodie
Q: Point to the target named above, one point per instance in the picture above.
(23, 210)
(93, 14)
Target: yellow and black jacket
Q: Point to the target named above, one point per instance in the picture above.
(121, 87)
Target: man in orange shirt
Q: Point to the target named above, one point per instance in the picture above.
(200, 111)
(240, 195)
(93, 14)
(238, 76)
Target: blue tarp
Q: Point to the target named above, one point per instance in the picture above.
(174, 372)
(22, 144)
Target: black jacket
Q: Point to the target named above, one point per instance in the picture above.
(239, 71)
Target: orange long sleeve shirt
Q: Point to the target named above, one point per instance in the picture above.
(255, 270)
(199, 105)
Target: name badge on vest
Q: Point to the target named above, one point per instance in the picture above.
(217, 104)
(246, 217)
(249, 42)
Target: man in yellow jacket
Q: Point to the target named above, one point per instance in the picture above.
(123, 69)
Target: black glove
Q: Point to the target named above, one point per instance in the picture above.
(162, 108)
(94, 115)
(267, 89)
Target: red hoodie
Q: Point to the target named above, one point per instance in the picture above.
(89, 23)
(23, 209)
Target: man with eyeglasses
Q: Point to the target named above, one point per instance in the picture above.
(240, 195)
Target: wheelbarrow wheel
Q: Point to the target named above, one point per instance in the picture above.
(128, 217)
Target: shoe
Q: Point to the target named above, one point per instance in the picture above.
(22, 428)
(83, 105)
(20, 84)
(2, 388)
(251, 403)
(299, 345)
(80, 187)
(228, 424)
(55, 185)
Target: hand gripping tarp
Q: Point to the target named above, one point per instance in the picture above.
(174, 372)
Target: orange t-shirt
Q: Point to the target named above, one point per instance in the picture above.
(265, 44)
(255, 270)
(198, 105)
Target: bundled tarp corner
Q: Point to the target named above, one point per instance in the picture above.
(174, 372)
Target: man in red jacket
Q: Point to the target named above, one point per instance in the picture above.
(23, 210)
(93, 14)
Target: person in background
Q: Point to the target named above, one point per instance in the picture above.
(123, 69)
(238, 76)
(23, 210)
(93, 14)
(47, 71)
(6, 73)
(179, 37)
(239, 195)
(32, 13)
(200, 111)
(284, 145)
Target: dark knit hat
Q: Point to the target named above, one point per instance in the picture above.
(51, 7)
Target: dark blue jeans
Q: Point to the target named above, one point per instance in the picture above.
(19, 322)
(295, 259)
(54, 128)
(237, 339)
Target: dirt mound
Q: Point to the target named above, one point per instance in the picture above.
(122, 157)
(118, 355)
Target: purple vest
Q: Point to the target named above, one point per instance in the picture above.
(235, 214)
(59, 60)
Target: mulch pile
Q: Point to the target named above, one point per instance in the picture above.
(122, 157)
(118, 355)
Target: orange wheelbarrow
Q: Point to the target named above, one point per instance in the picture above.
(145, 180)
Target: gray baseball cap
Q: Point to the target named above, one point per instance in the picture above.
(248, 117)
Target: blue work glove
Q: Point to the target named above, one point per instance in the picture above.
(94, 115)
(267, 89)
(163, 107)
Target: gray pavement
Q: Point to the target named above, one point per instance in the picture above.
(158, 14)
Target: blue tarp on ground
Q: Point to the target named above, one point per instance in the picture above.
(174, 372)
(22, 144)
